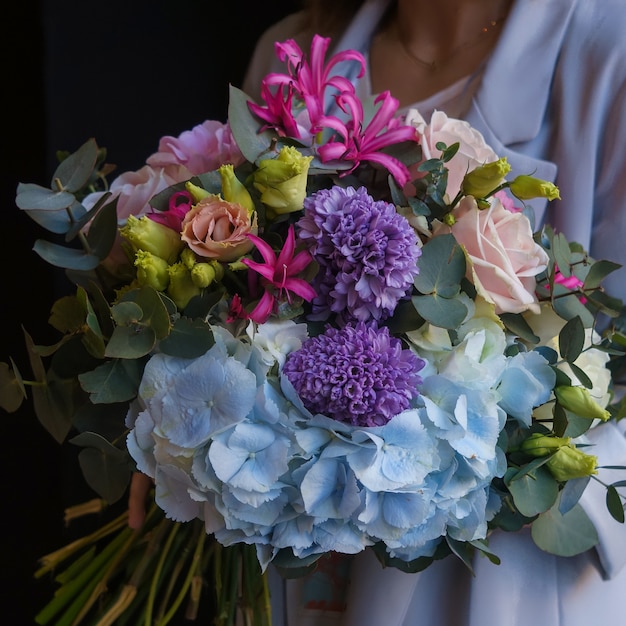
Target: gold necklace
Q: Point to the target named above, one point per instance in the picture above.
(436, 64)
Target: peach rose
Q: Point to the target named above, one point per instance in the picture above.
(504, 258)
(217, 229)
(473, 150)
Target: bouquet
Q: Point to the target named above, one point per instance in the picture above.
(320, 327)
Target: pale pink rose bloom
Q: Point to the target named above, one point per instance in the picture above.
(504, 258)
(217, 229)
(473, 150)
(202, 149)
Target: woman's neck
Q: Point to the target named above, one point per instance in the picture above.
(421, 49)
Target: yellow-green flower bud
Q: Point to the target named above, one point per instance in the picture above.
(282, 181)
(202, 274)
(142, 233)
(188, 258)
(181, 288)
(151, 270)
(542, 445)
(481, 181)
(233, 189)
(569, 462)
(578, 400)
(197, 193)
(528, 187)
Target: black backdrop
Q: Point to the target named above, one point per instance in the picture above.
(125, 72)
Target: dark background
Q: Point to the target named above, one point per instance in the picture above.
(125, 72)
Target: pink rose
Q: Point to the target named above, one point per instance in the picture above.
(504, 258)
(217, 229)
(202, 149)
(473, 151)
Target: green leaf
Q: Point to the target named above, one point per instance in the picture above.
(11, 391)
(106, 468)
(75, 171)
(68, 258)
(572, 339)
(189, 338)
(131, 342)
(442, 267)
(114, 381)
(462, 549)
(598, 272)
(443, 312)
(534, 492)
(245, 127)
(614, 504)
(562, 254)
(517, 325)
(571, 493)
(564, 534)
(32, 197)
(68, 315)
(569, 307)
(604, 302)
(103, 230)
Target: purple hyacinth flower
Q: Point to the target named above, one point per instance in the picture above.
(366, 251)
(358, 374)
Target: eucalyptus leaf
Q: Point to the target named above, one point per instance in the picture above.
(11, 392)
(32, 197)
(75, 171)
(607, 304)
(572, 492)
(103, 231)
(68, 258)
(534, 492)
(572, 339)
(463, 550)
(562, 254)
(189, 338)
(570, 306)
(60, 222)
(598, 272)
(131, 342)
(106, 469)
(114, 381)
(68, 314)
(564, 534)
(614, 504)
(82, 219)
(518, 325)
(443, 312)
(442, 267)
(245, 127)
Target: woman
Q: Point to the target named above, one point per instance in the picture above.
(544, 81)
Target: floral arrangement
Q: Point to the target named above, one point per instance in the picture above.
(316, 329)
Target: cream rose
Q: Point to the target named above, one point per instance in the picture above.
(503, 257)
(473, 150)
(217, 229)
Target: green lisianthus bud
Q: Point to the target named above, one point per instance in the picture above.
(578, 400)
(233, 190)
(481, 181)
(528, 187)
(152, 270)
(181, 288)
(188, 258)
(541, 445)
(569, 462)
(197, 193)
(142, 233)
(202, 274)
(282, 181)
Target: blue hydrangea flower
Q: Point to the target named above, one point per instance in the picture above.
(357, 374)
(366, 251)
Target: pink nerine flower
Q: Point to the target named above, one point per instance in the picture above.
(306, 80)
(279, 275)
(202, 149)
(504, 257)
(365, 144)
